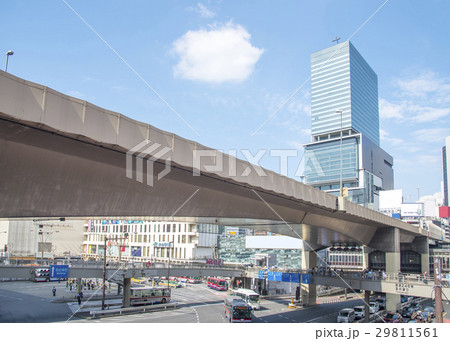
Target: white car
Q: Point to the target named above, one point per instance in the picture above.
(374, 307)
(359, 312)
(346, 315)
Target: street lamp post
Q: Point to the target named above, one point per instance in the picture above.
(9, 53)
(340, 156)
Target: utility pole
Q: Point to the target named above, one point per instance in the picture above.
(438, 289)
(104, 266)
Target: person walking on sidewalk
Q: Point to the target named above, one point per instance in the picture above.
(79, 298)
(54, 291)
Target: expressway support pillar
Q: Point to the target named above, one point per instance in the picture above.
(393, 301)
(366, 306)
(79, 288)
(365, 257)
(388, 240)
(308, 291)
(126, 292)
(421, 246)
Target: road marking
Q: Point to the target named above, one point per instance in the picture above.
(198, 319)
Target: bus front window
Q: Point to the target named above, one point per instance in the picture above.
(242, 314)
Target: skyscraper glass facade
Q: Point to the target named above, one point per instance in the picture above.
(342, 80)
(322, 161)
(345, 127)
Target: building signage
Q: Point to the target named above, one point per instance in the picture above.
(136, 251)
(163, 244)
(59, 271)
(214, 261)
(403, 288)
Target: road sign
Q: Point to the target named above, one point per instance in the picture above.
(59, 271)
(289, 277)
(274, 276)
(306, 279)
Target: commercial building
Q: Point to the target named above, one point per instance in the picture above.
(149, 241)
(344, 148)
(28, 241)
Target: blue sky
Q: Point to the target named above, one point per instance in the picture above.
(225, 67)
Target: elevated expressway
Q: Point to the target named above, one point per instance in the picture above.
(65, 157)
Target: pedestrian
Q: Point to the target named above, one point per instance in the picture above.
(70, 286)
(54, 291)
(425, 280)
(79, 298)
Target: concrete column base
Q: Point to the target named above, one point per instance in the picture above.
(126, 292)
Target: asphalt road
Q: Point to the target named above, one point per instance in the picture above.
(31, 302)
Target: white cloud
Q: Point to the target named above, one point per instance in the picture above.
(432, 134)
(425, 83)
(423, 98)
(217, 55)
(392, 141)
(205, 12)
(75, 93)
(408, 110)
(391, 110)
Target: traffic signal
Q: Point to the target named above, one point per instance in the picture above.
(345, 191)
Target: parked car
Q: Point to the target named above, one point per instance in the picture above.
(381, 302)
(416, 306)
(359, 312)
(407, 311)
(430, 310)
(374, 307)
(393, 318)
(346, 315)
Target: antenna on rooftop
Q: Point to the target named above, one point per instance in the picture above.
(336, 40)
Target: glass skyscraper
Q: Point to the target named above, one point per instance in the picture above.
(345, 127)
(342, 80)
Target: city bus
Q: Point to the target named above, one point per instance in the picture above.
(149, 295)
(249, 296)
(236, 310)
(219, 284)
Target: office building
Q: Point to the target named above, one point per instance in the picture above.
(446, 170)
(344, 150)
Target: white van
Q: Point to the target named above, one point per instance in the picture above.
(346, 315)
(374, 307)
(359, 312)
